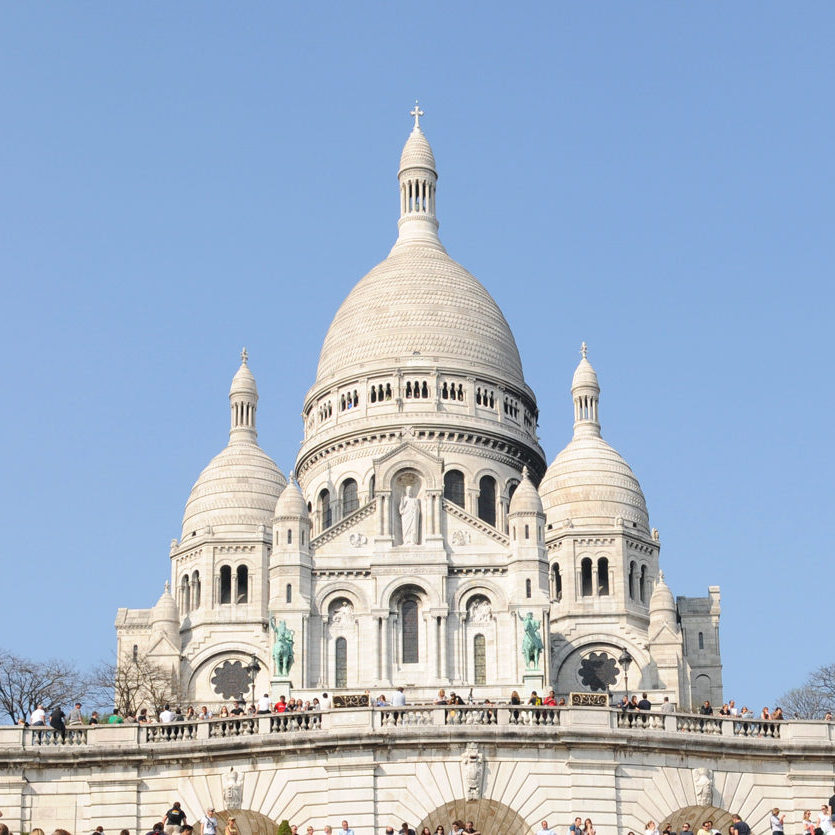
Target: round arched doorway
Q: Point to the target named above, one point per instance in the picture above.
(249, 822)
(696, 816)
(489, 817)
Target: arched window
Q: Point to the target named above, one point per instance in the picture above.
(410, 640)
(557, 589)
(424, 390)
(136, 652)
(341, 665)
(288, 594)
(289, 536)
(527, 531)
(242, 584)
(225, 584)
(479, 660)
(642, 584)
(511, 488)
(603, 576)
(701, 640)
(325, 515)
(632, 580)
(195, 590)
(185, 594)
(585, 577)
(371, 485)
(373, 394)
(487, 499)
(527, 588)
(350, 499)
(454, 487)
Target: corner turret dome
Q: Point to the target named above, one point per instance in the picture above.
(662, 599)
(165, 610)
(525, 498)
(291, 503)
(238, 490)
(589, 483)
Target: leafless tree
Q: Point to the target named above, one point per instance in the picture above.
(136, 682)
(24, 684)
(814, 698)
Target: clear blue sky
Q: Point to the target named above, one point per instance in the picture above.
(180, 179)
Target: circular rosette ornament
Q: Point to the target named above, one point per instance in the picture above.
(598, 671)
(230, 680)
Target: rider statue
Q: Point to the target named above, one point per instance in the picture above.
(531, 642)
(282, 646)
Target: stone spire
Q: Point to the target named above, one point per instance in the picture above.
(418, 181)
(585, 391)
(243, 400)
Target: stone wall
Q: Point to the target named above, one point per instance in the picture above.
(508, 768)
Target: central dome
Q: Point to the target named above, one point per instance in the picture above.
(419, 302)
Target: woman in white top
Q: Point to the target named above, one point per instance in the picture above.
(651, 829)
(777, 822)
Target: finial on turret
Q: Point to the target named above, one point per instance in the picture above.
(660, 576)
(417, 113)
(292, 475)
(584, 350)
(167, 587)
(244, 356)
(524, 471)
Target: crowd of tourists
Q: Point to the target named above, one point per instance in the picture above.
(635, 708)
(175, 822)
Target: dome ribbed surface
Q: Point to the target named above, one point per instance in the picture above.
(420, 300)
(237, 490)
(590, 484)
(417, 152)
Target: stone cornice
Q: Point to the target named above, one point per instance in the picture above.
(454, 510)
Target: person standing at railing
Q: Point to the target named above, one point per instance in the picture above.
(399, 698)
(550, 700)
(666, 705)
(38, 717)
(174, 819)
(75, 717)
(56, 721)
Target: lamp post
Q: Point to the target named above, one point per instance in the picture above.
(253, 669)
(625, 660)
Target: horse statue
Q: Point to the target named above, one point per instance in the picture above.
(532, 642)
(282, 647)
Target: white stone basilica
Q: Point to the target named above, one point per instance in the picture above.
(415, 548)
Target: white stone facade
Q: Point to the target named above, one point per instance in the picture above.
(414, 540)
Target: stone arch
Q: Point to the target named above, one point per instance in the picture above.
(489, 816)
(332, 591)
(400, 583)
(695, 816)
(408, 457)
(567, 660)
(489, 589)
(205, 662)
(249, 822)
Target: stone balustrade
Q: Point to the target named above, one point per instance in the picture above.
(401, 719)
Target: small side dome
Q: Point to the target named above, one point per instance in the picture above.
(525, 498)
(165, 610)
(662, 598)
(589, 483)
(291, 503)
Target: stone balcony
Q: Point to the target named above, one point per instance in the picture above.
(501, 722)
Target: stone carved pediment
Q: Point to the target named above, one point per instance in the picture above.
(409, 455)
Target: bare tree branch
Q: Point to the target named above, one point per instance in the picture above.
(814, 698)
(134, 683)
(24, 684)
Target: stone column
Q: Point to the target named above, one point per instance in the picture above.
(444, 641)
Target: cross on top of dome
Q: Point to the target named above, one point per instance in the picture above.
(584, 351)
(244, 356)
(417, 113)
